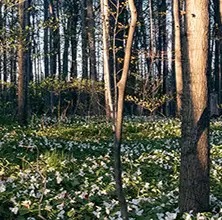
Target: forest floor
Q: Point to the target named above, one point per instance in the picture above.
(64, 171)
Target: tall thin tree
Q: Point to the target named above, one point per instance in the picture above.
(23, 68)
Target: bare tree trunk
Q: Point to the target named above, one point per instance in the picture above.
(194, 186)
(91, 39)
(84, 41)
(22, 63)
(46, 40)
(66, 49)
(119, 112)
(57, 39)
(73, 31)
(178, 61)
(106, 46)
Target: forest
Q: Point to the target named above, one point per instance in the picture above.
(110, 109)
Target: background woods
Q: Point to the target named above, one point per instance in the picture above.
(62, 42)
(62, 47)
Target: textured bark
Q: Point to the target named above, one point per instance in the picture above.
(194, 171)
(106, 58)
(22, 63)
(163, 52)
(178, 61)
(119, 112)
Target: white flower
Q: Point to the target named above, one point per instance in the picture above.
(2, 187)
(26, 203)
(139, 212)
(61, 195)
(135, 201)
(32, 193)
(160, 216)
(171, 216)
(58, 179)
(46, 191)
(14, 210)
(160, 184)
(61, 214)
(60, 207)
(139, 172)
(48, 207)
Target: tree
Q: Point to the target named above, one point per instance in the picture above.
(178, 61)
(118, 105)
(91, 39)
(194, 171)
(23, 68)
(218, 48)
(106, 58)
(84, 40)
(46, 39)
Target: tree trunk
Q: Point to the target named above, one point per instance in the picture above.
(91, 40)
(66, 49)
(46, 40)
(74, 42)
(119, 112)
(194, 171)
(22, 63)
(106, 58)
(178, 61)
(84, 41)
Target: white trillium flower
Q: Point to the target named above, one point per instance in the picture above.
(2, 187)
(14, 210)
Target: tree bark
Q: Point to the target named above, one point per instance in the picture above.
(74, 41)
(84, 41)
(119, 112)
(22, 63)
(106, 58)
(194, 170)
(46, 40)
(178, 61)
(91, 40)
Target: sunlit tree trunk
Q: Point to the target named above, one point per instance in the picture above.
(106, 58)
(178, 63)
(194, 170)
(121, 85)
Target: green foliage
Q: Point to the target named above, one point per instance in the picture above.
(56, 94)
(65, 171)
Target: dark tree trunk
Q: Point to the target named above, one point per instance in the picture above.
(66, 50)
(46, 39)
(91, 40)
(74, 42)
(84, 41)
